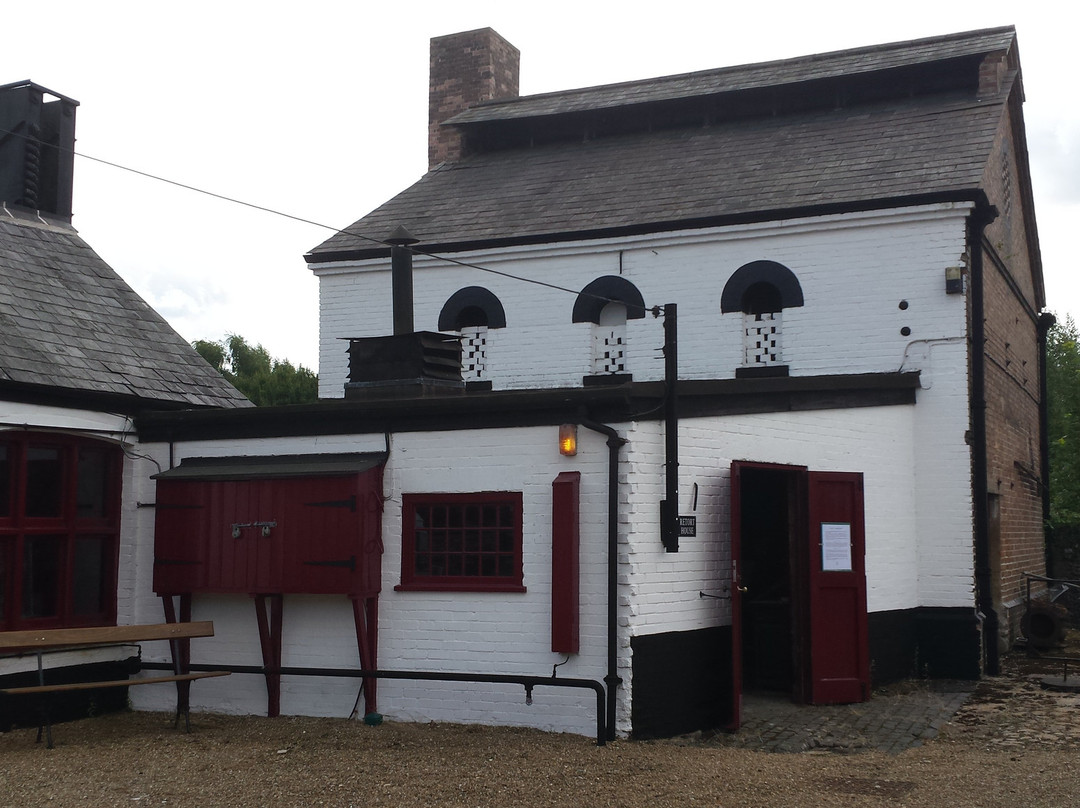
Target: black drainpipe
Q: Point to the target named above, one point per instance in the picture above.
(1046, 322)
(612, 679)
(669, 508)
(983, 214)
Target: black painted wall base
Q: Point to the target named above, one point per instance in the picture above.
(939, 643)
(682, 679)
(682, 682)
(25, 711)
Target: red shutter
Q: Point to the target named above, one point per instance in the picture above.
(565, 531)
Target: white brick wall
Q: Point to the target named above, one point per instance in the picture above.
(854, 270)
(918, 552)
(462, 632)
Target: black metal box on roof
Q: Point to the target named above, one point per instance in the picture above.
(422, 358)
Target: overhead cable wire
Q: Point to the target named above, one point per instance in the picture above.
(301, 219)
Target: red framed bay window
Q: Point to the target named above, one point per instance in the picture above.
(461, 542)
(59, 531)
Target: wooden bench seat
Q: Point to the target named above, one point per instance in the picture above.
(40, 642)
(149, 680)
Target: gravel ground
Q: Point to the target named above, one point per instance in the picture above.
(1013, 744)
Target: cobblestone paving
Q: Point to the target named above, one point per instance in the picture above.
(1010, 712)
(891, 721)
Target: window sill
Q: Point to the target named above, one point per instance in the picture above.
(761, 372)
(460, 586)
(607, 379)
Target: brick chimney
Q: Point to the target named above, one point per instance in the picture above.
(37, 159)
(466, 68)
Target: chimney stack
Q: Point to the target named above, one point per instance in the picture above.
(37, 162)
(466, 68)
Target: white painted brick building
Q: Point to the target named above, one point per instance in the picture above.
(836, 431)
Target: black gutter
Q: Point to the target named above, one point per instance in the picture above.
(983, 214)
(612, 679)
(118, 403)
(665, 226)
(528, 682)
(477, 409)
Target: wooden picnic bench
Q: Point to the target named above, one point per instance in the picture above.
(41, 642)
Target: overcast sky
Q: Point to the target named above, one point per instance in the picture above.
(319, 109)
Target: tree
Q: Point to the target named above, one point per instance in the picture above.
(1063, 421)
(252, 371)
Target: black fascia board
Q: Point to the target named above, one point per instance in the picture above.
(77, 399)
(519, 408)
(975, 195)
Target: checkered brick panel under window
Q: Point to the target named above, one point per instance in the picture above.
(761, 339)
(474, 344)
(609, 350)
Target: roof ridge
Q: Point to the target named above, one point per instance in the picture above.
(811, 58)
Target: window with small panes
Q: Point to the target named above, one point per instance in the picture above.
(462, 542)
(59, 531)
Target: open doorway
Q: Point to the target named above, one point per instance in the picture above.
(770, 519)
(798, 590)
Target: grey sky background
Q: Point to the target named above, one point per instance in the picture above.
(319, 110)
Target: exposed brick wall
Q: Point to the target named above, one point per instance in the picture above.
(466, 68)
(1012, 385)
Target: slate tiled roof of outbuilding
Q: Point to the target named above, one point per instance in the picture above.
(751, 167)
(69, 323)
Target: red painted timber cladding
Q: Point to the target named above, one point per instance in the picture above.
(326, 539)
(565, 532)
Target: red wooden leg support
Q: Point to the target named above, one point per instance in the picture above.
(270, 640)
(366, 618)
(181, 654)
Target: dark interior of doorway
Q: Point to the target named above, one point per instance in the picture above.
(770, 521)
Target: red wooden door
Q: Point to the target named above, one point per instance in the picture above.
(736, 597)
(839, 654)
(180, 539)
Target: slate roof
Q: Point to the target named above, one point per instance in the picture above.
(69, 324)
(749, 168)
(852, 62)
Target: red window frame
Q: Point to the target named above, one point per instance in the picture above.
(462, 542)
(59, 544)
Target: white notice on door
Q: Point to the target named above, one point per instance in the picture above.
(836, 547)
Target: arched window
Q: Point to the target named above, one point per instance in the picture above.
(761, 290)
(608, 303)
(472, 312)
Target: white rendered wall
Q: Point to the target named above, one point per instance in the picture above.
(911, 509)
(917, 512)
(854, 270)
(462, 632)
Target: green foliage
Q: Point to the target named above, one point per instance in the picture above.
(252, 371)
(1063, 421)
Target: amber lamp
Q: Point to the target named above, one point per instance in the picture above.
(568, 440)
